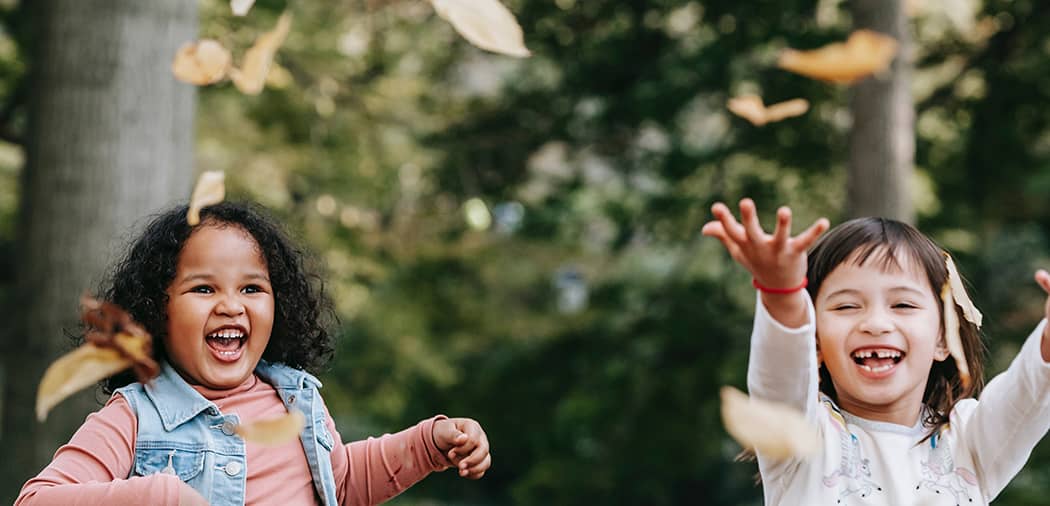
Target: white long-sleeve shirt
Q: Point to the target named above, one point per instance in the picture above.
(864, 462)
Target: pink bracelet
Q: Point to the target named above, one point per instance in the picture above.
(779, 291)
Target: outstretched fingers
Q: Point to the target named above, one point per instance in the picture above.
(733, 230)
(803, 241)
(783, 231)
(749, 217)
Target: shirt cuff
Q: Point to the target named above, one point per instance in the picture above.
(439, 461)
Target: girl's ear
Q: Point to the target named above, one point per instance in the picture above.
(940, 353)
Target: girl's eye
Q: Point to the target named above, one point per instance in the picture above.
(201, 289)
(252, 289)
(905, 305)
(844, 307)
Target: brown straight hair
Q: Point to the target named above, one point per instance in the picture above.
(884, 240)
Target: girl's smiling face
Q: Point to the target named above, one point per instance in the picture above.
(220, 307)
(878, 334)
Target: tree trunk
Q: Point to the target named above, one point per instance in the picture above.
(109, 141)
(882, 140)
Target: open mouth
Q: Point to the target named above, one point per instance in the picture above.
(877, 360)
(226, 344)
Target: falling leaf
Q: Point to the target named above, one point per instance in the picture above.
(252, 74)
(73, 371)
(775, 430)
(486, 24)
(969, 310)
(273, 432)
(240, 7)
(751, 108)
(112, 327)
(202, 62)
(951, 334)
(863, 54)
(210, 190)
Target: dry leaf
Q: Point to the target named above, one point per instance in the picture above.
(112, 327)
(775, 430)
(969, 310)
(273, 432)
(73, 371)
(951, 335)
(486, 24)
(202, 62)
(210, 190)
(240, 7)
(252, 74)
(863, 54)
(751, 108)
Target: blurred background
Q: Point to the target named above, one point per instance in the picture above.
(517, 240)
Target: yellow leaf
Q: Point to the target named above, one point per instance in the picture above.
(273, 432)
(751, 108)
(951, 335)
(486, 24)
(863, 54)
(75, 370)
(240, 7)
(772, 429)
(252, 74)
(969, 310)
(209, 190)
(202, 62)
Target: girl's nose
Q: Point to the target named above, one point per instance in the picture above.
(876, 323)
(229, 306)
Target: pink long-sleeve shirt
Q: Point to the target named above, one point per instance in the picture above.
(93, 468)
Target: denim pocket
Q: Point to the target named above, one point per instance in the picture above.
(185, 462)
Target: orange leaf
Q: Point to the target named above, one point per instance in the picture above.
(252, 74)
(863, 54)
(751, 108)
(273, 432)
(773, 429)
(210, 190)
(202, 62)
(110, 326)
(75, 370)
(484, 23)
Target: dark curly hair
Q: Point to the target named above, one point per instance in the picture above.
(302, 312)
(886, 241)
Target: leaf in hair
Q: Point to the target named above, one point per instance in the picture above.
(275, 431)
(951, 335)
(210, 189)
(969, 310)
(863, 54)
(751, 108)
(775, 430)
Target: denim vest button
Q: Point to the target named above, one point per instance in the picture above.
(229, 428)
(233, 468)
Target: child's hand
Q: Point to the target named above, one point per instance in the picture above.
(466, 445)
(1043, 278)
(775, 261)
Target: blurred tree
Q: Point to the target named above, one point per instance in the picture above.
(108, 142)
(882, 137)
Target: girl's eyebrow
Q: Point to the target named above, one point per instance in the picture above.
(206, 277)
(853, 291)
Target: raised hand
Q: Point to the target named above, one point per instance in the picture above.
(776, 261)
(466, 445)
(1043, 278)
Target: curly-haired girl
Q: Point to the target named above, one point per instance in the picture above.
(237, 321)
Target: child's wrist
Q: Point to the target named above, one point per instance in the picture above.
(779, 290)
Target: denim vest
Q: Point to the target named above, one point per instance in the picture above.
(182, 433)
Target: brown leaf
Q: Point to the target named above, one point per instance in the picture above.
(112, 327)
(772, 429)
(951, 334)
(275, 431)
(486, 24)
(210, 190)
(863, 54)
(751, 108)
(73, 371)
(202, 62)
(240, 7)
(252, 74)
